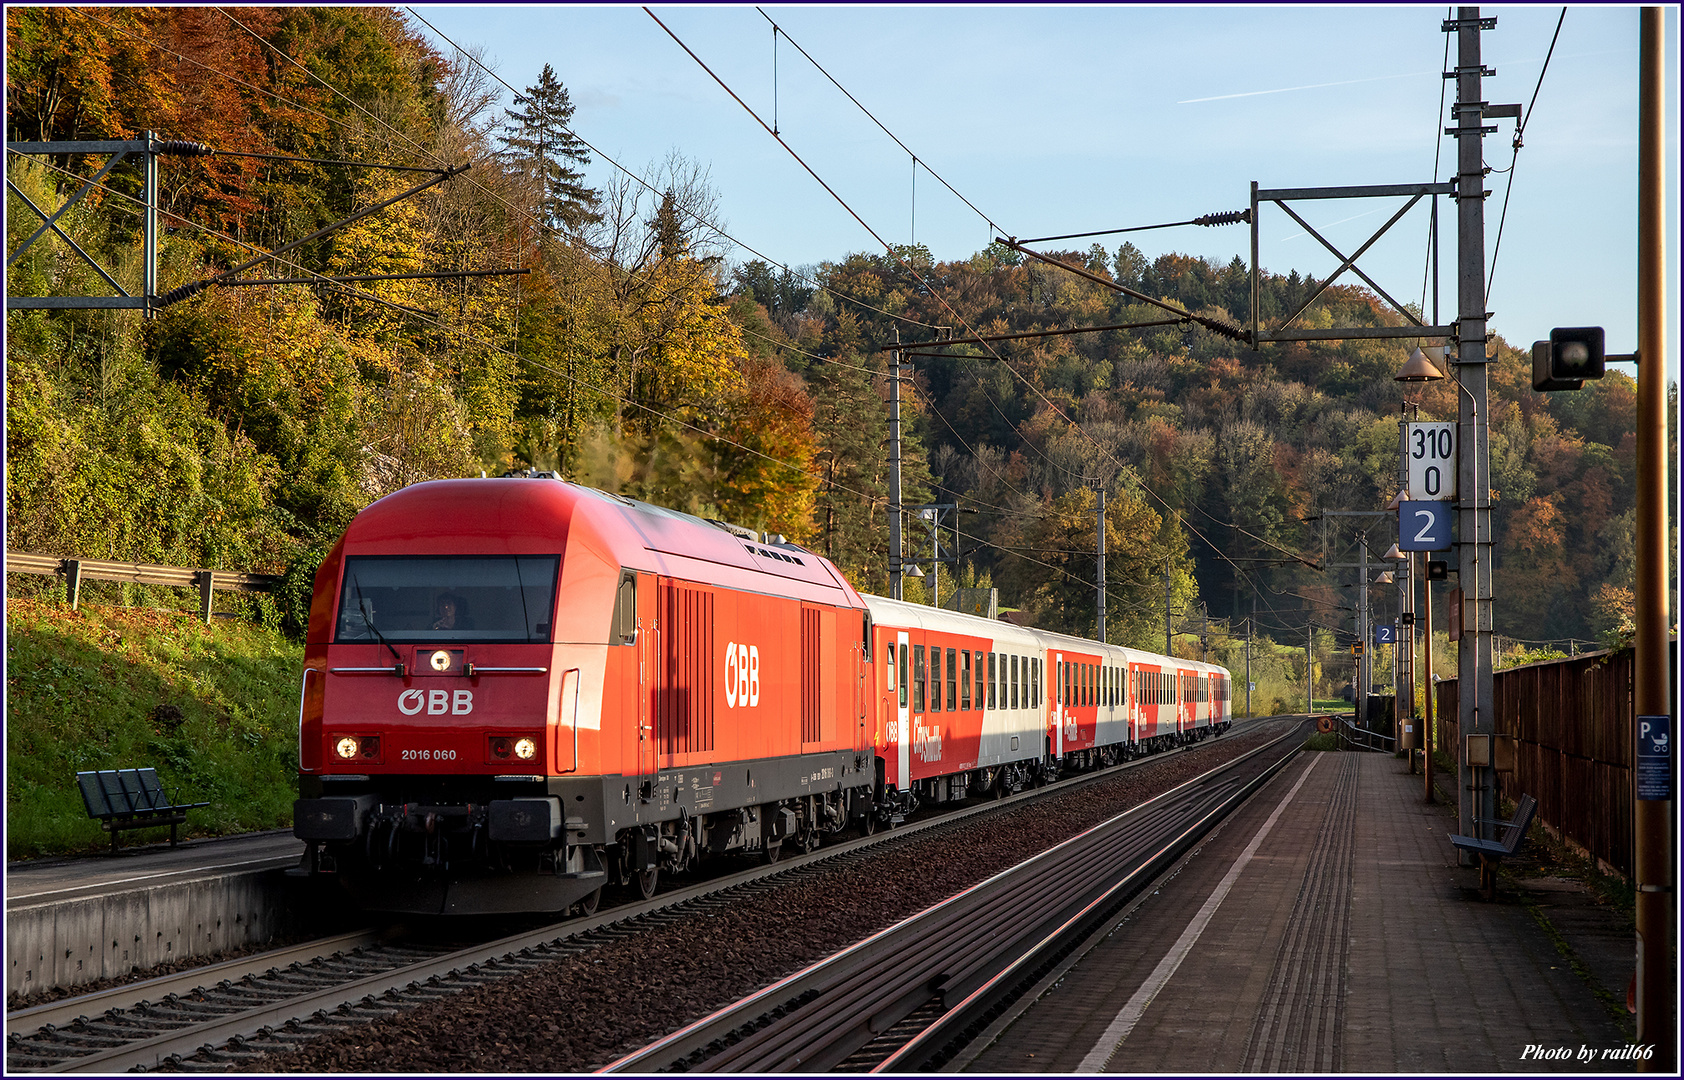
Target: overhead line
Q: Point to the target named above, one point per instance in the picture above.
(876, 121)
(651, 188)
(942, 301)
(1519, 131)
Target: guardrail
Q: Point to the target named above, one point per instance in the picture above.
(75, 571)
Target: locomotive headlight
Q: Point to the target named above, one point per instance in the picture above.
(526, 749)
(500, 747)
(346, 747)
(440, 661)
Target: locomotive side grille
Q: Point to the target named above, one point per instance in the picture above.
(684, 721)
(812, 637)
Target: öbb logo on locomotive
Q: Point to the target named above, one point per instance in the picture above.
(543, 747)
(436, 702)
(742, 675)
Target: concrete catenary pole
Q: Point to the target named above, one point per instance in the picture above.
(1655, 768)
(894, 474)
(1167, 650)
(1248, 668)
(1364, 671)
(1309, 669)
(1102, 562)
(1476, 712)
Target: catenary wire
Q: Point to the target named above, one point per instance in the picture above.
(939, 299)
(1519, 132)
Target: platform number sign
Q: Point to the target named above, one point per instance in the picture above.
(1431, 449)
(1423, 526)
(1385, 635)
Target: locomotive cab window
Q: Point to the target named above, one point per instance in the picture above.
(625, 609)
(502, 598)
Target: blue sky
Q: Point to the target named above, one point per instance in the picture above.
(1066, 119)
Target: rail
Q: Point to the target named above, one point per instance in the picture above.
(951, 965)
(75, 571)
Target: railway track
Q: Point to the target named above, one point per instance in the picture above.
(233, 1014)
(913, 997)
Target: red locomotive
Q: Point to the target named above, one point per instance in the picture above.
(518, 690)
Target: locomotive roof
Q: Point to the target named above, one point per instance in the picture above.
(519, 515)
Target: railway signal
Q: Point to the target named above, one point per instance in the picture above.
(1571, 355)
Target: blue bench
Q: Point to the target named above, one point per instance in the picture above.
(1492, 852)
(132, 799)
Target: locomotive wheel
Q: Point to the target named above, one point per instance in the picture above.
(772, 850)
(644, 882)
(868, 823)
(588, 905)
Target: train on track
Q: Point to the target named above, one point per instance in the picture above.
(518, 690)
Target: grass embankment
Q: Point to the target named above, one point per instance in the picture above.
(212, 708)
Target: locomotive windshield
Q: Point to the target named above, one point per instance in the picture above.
(507, 598)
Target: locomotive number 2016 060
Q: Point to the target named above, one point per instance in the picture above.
(742, 675)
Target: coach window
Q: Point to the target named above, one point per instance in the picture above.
(889, 667)
(901, 685)
(1011, 683)
(952, 680)
(980, 692)
(993, 682)
(935, 678)
(918, 678)
(1035, 683)
(965, 679)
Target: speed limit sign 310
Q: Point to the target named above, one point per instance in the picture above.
(1431, 450)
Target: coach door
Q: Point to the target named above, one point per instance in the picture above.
(902, 728)
(1061, 694)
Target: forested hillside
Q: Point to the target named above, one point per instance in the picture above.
(244, 426)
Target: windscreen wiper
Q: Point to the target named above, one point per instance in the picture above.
(362, 609)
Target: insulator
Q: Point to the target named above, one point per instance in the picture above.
(181, 148)
(175, 296)
(1227, 217)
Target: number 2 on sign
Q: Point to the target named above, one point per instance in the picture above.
(1425, 536)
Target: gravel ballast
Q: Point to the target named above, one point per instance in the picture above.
(585, 1011)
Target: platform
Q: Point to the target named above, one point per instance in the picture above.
(70, 922)
(1327, 928)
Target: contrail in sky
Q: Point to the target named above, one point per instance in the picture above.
(1312, 86)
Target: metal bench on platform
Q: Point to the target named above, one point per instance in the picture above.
(132, 799)
(1492, 852)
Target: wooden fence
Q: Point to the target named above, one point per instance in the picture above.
(75, 571)
(1572, 724)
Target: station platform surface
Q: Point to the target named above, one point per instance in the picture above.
(1326, 927)
(36, 881)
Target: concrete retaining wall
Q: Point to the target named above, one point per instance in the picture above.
(74, 942)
